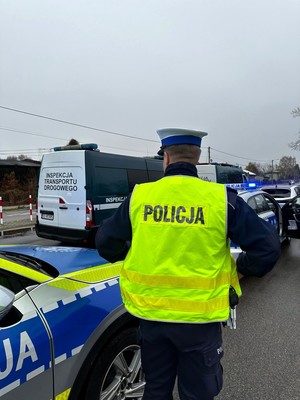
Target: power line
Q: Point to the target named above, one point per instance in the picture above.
(101, 130)
(30, 133)
(51, 137)
(243, 158)
(75, 124)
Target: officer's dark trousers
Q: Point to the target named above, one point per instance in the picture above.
(192, 352)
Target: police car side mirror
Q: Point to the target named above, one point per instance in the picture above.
(7, 298)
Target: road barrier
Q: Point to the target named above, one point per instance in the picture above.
(19, 226)
(15, 207)
(1, 214)
(30, 207)
(18, 229)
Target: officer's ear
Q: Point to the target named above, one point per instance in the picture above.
(166, 161)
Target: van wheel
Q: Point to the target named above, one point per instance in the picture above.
(117, 373)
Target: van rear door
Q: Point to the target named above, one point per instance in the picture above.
(61, 193)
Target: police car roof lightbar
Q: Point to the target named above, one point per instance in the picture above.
(243, 186)
(86, 146)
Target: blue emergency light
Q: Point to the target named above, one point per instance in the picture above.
(85, 146)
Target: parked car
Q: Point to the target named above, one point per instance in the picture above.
(64, 333)
(282, 192)
(266, 207)
(283, 218)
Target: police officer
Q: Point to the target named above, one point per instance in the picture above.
(173, 235)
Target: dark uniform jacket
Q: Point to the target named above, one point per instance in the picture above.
(257, 238)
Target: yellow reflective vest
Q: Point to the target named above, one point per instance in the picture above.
(179, 267)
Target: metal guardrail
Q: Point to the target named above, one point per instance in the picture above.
(16, 227)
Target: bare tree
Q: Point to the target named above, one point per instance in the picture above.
(296, 112)
(254, 167)
(23, 157)
(288, 168)
(295, 145)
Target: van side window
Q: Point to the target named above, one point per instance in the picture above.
(111, 181)
(155, 175)
(136, 176)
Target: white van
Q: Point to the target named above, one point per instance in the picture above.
(231, 175)
(79, 187)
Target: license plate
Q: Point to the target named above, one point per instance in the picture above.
(49, 216)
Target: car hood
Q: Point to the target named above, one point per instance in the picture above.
(64, 259)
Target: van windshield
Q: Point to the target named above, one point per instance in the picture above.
(229, 174)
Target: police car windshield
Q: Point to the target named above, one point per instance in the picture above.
(30, 262)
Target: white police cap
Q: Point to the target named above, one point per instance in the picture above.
(171, 136)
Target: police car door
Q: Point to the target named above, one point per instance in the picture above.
(25, 352)
(264, 208)
(291, 218)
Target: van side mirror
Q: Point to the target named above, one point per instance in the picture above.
(7, 298)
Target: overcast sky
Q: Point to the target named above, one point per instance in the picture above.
(228, 67)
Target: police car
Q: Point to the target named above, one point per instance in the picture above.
(64, 333)
(286, 219)
(282, 192)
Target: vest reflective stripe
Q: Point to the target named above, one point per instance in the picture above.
(192, 282)
(189, 280)
(179, 304)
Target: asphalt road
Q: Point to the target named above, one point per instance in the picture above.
(262, 357)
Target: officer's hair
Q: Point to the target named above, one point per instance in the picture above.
(184, 153)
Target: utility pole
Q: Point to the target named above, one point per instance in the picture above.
(272, 171)
(209, 155)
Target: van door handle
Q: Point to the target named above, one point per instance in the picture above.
(63, 207)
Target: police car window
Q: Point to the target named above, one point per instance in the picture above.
(297, 190)
(271, 204)
(252, 203)
(262, 205)
(111, 181)
(258, 203)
